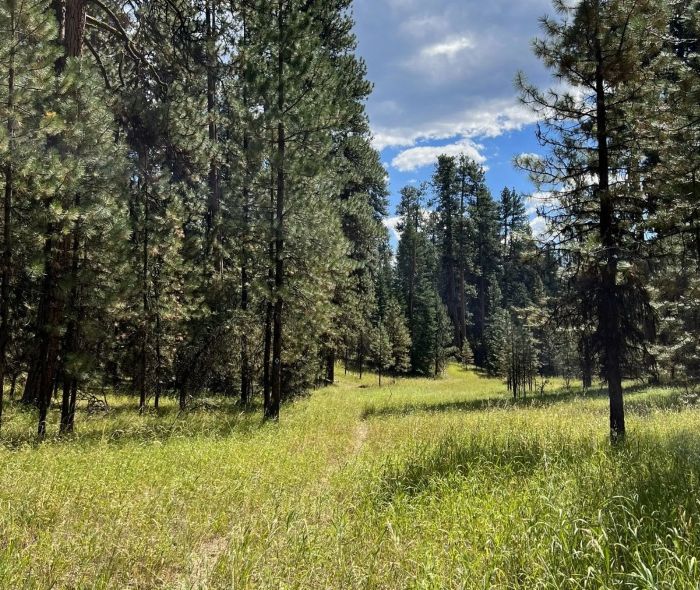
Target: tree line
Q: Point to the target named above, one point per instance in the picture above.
(191, 200)
(611, 287)
(192, 204)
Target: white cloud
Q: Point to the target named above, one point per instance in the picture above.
(488, 119)
(539, 226)
(419, 157)
(391, 223)
(445, 68)
(537, 203)
(448, 49)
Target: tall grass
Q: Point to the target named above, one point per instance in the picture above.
(419, 484)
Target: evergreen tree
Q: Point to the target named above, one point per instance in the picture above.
(610, 53)
(27, 56)
(483, 212)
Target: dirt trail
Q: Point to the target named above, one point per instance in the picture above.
(359, 438)
(204, 560)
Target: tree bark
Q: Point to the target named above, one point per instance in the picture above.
(586, 362)
(267, 348)
(7, 220)
(609, 321)
(277, 326)
(330, 367)
(143, 377)
(214, 204)
(71, 20)
(13, 386)
(159, 355)
(72, 336)
(245, 355)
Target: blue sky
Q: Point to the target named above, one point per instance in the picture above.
(443, 73)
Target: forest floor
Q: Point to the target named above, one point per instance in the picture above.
(418, 484)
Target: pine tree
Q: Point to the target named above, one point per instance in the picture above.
(27, 56)
(610, 52)
(483, 212)
(399, 338)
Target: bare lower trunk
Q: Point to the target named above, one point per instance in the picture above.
(159, 360)
(7, 230)
(71, 21)
(586, 364)
(330, 367)
(13, 386)
(245, 362)
(267, 353)
(72, 335)
(610, 330)
(145, 271)
(183, 395)
(5, 292)
(49, 321)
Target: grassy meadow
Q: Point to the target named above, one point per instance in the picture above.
(418, 484)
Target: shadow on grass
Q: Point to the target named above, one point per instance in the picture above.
(122, 423)
(662, 401)
(625, 509)
(659, 473)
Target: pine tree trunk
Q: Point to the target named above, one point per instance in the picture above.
(159, 355)
(586, 362)
(245, 362)
(462, 259)
(74, 27)
(609, 321)
(245, 358)
(7, 223)
(330, 367)
(183, 394)
(214, 181)
(5, 292)
(49, 321)
(31, 385)
(276, 394)
(71, 19)
(13, 386)
(361, 354)
(145, 264)
(267, 349)
(72, 405)
(437, 334)
(267, 354)
(72, 333)
(158, 369)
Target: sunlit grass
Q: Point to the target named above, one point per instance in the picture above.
(419, 484)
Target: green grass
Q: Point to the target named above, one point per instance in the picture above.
(419, 484)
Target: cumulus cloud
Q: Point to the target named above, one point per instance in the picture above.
(538, 226)
(535, 205)
(445, 68)
(418, 157)
(488, 119)
(391, 223)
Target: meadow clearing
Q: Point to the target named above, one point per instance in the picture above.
(417, 484)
